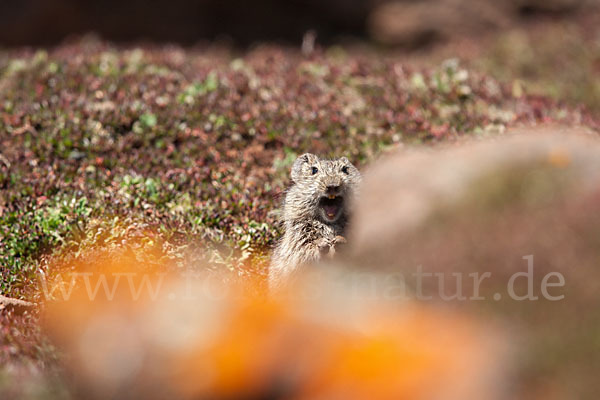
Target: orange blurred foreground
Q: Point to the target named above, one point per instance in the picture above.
(199, 337)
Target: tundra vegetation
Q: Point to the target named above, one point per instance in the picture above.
(184, 154)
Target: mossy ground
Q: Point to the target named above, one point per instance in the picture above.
(187, 151)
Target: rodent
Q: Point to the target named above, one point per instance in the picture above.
(316, 210)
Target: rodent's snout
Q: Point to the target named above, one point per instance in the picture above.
(333, 190)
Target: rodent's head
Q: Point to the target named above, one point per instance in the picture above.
(323, 186)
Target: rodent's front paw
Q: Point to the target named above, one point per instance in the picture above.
(339, 240)
(325, 247)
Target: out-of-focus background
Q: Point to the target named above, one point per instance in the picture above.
(395, 22)
(181, 21)
(553, 44)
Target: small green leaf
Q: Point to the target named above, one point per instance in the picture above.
(148, 120)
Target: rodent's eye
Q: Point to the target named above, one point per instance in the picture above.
(345, 170)
(314, 170)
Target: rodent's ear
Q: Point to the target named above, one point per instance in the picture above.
(350, 167)
(306, 158)
(345, 161)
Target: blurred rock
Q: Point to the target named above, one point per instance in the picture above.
(414, 24)
(497, 207)
(199, 338)
(525, 178)
(417, 23)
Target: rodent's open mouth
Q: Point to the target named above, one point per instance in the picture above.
(331, 207)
